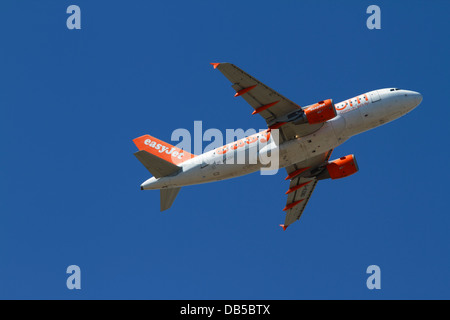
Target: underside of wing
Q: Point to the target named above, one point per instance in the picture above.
(298, 199)
(272, 106)
(303, 179)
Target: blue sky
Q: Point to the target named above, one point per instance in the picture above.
(73, 100)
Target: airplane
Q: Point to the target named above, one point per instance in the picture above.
(306, 138)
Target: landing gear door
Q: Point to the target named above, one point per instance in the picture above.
(374, 96)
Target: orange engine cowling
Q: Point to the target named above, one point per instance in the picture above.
(320, 112)
(342, 167)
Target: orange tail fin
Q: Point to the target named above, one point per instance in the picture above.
(162, 149)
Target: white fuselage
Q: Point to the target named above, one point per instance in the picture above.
(354, 116)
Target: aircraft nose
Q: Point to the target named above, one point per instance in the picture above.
(413, 99)
(417, 97)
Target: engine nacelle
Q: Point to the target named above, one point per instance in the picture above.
(342, 167)
(320, 112)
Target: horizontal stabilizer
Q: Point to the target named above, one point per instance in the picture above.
(168, 197)
(157, 166)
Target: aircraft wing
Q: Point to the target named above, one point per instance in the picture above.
(303, 176)
(268, 103)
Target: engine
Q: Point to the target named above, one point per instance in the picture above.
(339, 168)
(313, 114)
(342, 167)
(320, 112)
